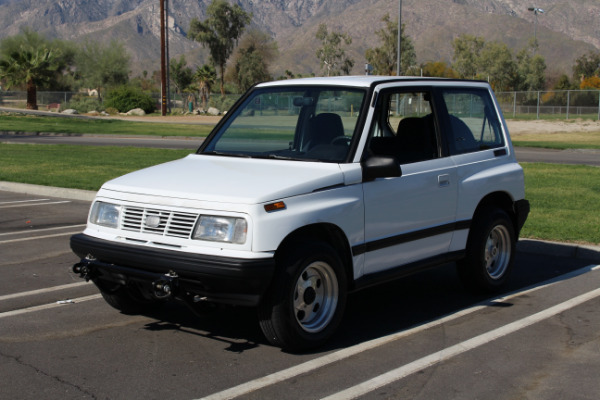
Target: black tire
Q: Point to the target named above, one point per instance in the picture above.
(307, 298)
(490, 252)
(126, 299)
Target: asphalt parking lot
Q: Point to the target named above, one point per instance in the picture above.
(422, 337)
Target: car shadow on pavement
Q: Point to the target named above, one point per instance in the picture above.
(376, 312)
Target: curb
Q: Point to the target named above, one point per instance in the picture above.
(98, 135)
(531, 246)
(559, 249)
(26, 188)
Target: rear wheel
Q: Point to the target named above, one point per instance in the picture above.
(307, 298)
(490, 251)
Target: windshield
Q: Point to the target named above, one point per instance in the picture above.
(299, 123)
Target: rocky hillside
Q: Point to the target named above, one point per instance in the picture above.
(565, 31)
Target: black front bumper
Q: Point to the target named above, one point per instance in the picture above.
(217, 279)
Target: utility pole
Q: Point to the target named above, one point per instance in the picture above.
(163, 75)
(167, 61)
(399, 58)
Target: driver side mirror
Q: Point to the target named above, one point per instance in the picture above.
(380, 167)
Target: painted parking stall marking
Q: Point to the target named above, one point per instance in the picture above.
(48, 306)
(42, 230)
(452, 351)
(33, 204)
(2, 203)
(346, 353)
(39, 237)
(42, 291)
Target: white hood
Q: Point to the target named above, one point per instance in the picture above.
(229, 179)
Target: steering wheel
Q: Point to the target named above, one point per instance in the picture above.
(341, 141)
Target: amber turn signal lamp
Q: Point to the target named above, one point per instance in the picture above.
(280, 205)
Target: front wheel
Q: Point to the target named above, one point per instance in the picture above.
(306, 300)
(490, 251)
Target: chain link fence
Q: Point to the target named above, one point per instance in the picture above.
(45, 100)
(565, 104)
(552, 104)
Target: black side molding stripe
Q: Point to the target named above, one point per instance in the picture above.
(409, 237)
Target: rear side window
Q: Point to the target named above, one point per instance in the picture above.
(474, 124)
(404, 126)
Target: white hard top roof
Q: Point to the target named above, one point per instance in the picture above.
(362, 81)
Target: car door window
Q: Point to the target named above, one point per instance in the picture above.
(473, 123)
(405, 128)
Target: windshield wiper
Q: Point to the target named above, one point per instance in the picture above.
(280, 157)
(225, 154)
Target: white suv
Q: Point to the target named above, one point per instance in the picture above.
(310, 189)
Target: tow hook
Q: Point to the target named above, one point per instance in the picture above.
(83, 268)
(164, 287)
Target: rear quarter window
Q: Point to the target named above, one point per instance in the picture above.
(473, 122)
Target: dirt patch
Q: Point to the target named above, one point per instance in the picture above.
(542, 126)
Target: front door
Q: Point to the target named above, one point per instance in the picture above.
(411, 217)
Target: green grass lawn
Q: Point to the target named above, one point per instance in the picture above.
(565, 202)
(73, 166)
(74, 126)
(565, 199)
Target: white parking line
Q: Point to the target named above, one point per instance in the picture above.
(36, 204)
(30, 231)
(42, 291)
(457, 349)
(22, 201)
(320, 362)
(39, 237)
(48, 306)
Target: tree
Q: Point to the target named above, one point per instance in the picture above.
(206, 77)
(250, 62)
(180, 74)
(467, 49)
(530, 71)
(497, 66)
(586, 66)
(223, 26)
(31, 60)
(495, 62)
(591, 83)
(102, 66)
(438, 69)
(563, 83)
(331, 53)
(385, 57)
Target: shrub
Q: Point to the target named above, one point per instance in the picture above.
(111, 110)
(125, 98)
(83, 104)
(222, 103)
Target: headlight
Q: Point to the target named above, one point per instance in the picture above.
(221, 229)
(105, 214)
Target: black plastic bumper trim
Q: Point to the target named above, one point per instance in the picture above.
(220, 279)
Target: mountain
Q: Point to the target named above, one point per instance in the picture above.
(565, 31)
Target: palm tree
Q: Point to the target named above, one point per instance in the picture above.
(206, 76)
(29, 60)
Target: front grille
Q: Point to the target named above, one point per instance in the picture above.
(158, 222)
